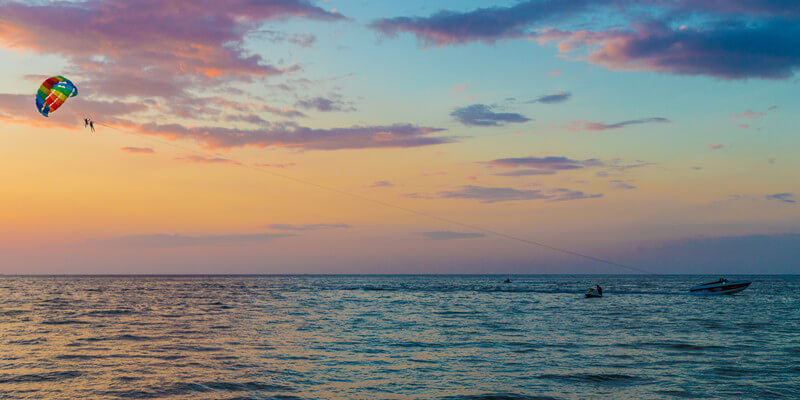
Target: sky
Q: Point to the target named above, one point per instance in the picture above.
(344, 136)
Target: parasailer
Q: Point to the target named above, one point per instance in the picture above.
(53, 93)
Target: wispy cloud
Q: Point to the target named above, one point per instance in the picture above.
(782, 197)
(713, 146)
(749, 114)
(484, 115)
(138, 150)
(207, 160)
(178, 240)
(554, 98)
(271, 165)
(450, 235)
(599, 126)
(503, 194)
(380, 184)
(325, 104)
(307, 227)
(620, 184)
(291, 135)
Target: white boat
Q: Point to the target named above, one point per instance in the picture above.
(722, 286)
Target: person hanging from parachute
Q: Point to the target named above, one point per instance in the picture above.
(88, 123)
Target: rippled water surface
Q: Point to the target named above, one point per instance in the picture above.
(395, 337)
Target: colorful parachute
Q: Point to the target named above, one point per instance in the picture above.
(53, 93)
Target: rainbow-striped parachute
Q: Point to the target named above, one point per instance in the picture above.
(53, 93)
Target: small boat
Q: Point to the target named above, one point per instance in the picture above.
(722, 286)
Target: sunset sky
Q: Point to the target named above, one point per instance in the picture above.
(661, 134)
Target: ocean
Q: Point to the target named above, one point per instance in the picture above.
(396, 337)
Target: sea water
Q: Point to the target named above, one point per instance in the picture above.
(396, 337)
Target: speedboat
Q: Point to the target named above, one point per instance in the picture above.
(722, 286)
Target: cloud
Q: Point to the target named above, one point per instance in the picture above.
(620, 184)
(207, 160)
(725, 50)
(502, 194)
(177, 240)
(736, 39)
(309, 227)
(492, 194)
(482, 115)
(545, 163)
(528, 172)
(486, 25)
(782, 197)
(279, 166)
(138, 150)
(460, 88)
(568, 194)
(175, 46)
(749, 114)
(715, 146)
(380, 184)
(554, 98)
(290, 135)
(325, 104)
(602, 126)
(450, 235)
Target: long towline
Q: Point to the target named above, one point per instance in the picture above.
(401, 208)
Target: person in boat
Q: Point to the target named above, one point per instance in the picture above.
(599, 290)
(508, 280)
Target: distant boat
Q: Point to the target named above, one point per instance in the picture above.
(508, 280)
(722, 286)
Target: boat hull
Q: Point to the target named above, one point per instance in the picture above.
(727, 288)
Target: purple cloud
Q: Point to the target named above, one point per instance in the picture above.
(486, 25)
(138, 150)
(568, 194)
(554, 98)
(502, 194)
(600, 126)
(782, 197)
(207, 160)
(450, 235)
(325, 104)
(482, 115)
(493, 194)
(175, 45)
(379, 184)
(308, 227)
(177, 240)
(623, 185)
(545, 163)
(291, 135)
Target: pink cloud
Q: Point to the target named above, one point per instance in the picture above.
(164, 47)
(137, 150)
(715, 146)
(583, 125)
(207, 160)
(460, 88)
(278, 166)
(291, 135)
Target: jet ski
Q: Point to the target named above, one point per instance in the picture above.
(593, 293)
(722, 286)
